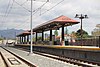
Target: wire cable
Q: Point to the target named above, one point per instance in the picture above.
(24, 3)
(35, 11)
(21, 5)
(10, 9)
(7, 8)
(41, 13)
(39, 8)
(52, 7)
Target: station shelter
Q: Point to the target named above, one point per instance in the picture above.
(24, 37)
(55, 24)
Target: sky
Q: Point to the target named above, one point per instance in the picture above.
(16, 13)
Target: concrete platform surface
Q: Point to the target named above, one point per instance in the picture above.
(40, 61)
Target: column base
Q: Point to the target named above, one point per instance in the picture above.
(50, 43)
(62, 43)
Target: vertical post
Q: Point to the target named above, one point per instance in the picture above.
(28, 39)
(36, 36)
(42, 35)
(20, 39)
(62, 35)
(81, 32)
(31, 29)
(50, 37)
(24, 39)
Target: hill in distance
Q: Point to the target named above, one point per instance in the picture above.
(10, 33)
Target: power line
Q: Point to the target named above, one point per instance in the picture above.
(10, 8)
(7, 8)
(35, 11)
(24, 2)
(22, 5)
(52, 7)
(39, 8)
(8, 11)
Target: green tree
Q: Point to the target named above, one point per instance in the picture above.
(84, 34)
(56, 32)
(66, 31)
(39, 38)
(74, 34)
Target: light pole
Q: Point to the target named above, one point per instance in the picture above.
(31, 46)
(31, 49)
(80, 16)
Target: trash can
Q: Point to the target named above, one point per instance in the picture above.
(66, 43)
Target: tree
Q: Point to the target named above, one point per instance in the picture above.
(84, 34)
(73, 34)
(56, 32)
(39, 38)
(66, 31)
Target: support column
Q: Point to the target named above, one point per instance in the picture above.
(50, 37)
(42, 35)
(36, 36)
(19, 39)
(27, 39)
(24, 39)
(62, 35)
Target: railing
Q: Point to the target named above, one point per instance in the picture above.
(94, 41)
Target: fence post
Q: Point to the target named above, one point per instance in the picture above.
(99, 41)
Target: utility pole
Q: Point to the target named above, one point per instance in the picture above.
(31, 48)
(81, 16)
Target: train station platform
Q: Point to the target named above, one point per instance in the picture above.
(38, 60)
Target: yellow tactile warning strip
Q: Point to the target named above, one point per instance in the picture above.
(58, 46)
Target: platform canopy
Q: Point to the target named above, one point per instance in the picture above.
(55, 24)
(24, 33)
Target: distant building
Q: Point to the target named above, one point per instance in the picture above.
(96, 31)
(67, 37)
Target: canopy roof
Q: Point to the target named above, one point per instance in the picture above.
(24, 33)
(55, 24)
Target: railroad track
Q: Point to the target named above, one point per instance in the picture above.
(78, 62)
(14, 62)
(2, 61)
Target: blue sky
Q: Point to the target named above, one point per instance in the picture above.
(15, 13)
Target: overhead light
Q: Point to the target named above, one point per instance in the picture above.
(76, 15)
(86, 16)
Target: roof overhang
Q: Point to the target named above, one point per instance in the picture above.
(55, 24)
